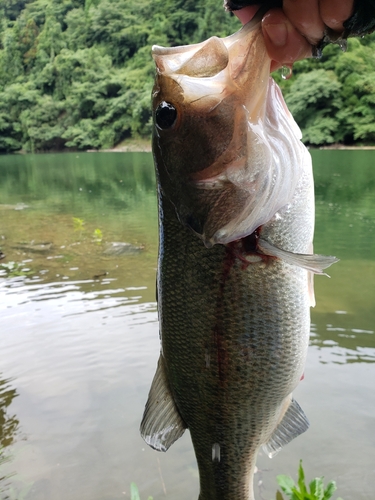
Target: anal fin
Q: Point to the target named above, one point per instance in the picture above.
(293, 423)
(162, 424)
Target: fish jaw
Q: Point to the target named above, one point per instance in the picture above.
(202, 159)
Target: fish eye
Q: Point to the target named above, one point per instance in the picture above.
(165, 115)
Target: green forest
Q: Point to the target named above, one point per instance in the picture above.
(78, 73)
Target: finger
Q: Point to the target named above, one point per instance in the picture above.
(305, 16)
(283, 42)
(247, 13)
(335, 12)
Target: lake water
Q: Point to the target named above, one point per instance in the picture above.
(79, 333)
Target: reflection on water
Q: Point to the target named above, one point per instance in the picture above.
(76, 207)
(343, 321)
(9, 426)
(79, 332)
(344, 345)
(8, 422)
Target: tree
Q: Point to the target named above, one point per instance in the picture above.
(79, 73)
(314, 100)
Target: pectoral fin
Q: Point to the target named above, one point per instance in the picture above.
(162, 424)
(293, 423)
(314, 263)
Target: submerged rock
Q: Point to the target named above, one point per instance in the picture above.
(18, 206)
(122, 248)
(34, 247)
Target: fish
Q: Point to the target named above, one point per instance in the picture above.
(235, 266)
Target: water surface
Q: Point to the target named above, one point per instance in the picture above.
(79, 332)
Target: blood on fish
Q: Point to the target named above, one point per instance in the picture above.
(236, 250)
(218, 334)
(248, 246)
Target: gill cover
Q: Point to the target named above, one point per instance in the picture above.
(227, 151)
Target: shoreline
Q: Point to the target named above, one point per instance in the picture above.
(343, 146)
(128, 146)
(144, 146)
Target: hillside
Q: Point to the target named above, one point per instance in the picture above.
(78, 73)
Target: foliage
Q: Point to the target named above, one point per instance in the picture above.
(300, 491)
(333, 100)
(78, 73)
(134, 492)
(314, 101)
(98, 235)
(78, 224)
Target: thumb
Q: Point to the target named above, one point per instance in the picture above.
(283, 42)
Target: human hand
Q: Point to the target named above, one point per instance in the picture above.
(291, 32)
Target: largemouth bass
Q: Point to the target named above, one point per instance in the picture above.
(236, 215)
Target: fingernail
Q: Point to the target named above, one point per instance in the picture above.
(277, 33)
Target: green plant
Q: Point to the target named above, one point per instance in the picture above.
(134, 492)
(78, 224)
(300, 492)
(98, 236)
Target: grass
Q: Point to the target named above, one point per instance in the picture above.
(134, 492)
(300, 491)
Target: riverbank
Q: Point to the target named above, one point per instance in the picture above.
(144, 145)
(343, 146)
(132, 146)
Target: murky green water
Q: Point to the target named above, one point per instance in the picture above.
(79, 333)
